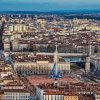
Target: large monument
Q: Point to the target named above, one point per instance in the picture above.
(55, 72)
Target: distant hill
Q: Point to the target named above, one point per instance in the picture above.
(53, 12)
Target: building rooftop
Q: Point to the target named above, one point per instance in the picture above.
(33, 58)
(16, 90)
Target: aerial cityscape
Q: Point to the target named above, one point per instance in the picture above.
(48, 53)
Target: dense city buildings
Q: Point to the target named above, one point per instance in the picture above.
(49, 57)
(67, 91)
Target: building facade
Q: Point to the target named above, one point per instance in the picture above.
(39, 67)
(16, 94)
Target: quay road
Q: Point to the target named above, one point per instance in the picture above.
(65, 54)
(48, 54)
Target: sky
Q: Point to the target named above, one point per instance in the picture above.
(48, 5)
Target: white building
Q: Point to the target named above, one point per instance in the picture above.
(39, 67)
(6, 44)
(97, 95)
(28, 67)
(17, 28)
(42, 94)
(16, 94)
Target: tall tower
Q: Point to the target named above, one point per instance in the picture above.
(87, 64)
(56, 60)
(90, 50)
(55, 72)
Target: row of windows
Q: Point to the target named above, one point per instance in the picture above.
(71, 98)
(53, 97)
(15, 99)
(31, 66)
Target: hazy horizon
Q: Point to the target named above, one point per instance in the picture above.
(48, 5)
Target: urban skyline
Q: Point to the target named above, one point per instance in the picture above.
(49, 50)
